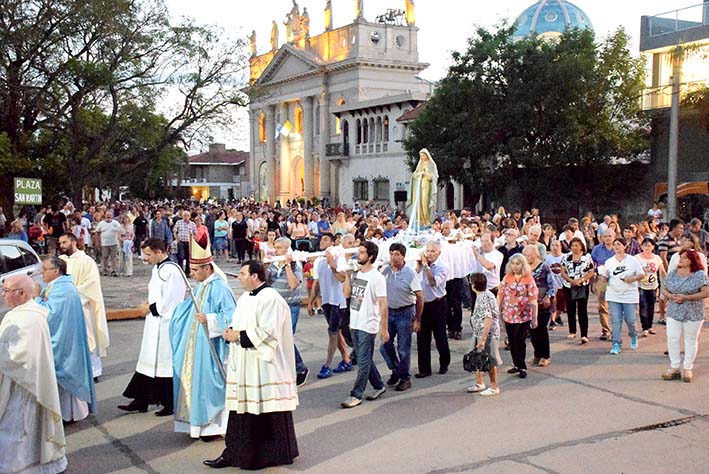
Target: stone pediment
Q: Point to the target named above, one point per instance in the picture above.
(289, 62)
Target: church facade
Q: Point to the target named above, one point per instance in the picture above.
(324, 108)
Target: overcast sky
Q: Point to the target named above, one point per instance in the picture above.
(445, 25)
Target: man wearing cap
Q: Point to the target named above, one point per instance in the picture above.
(152, 382)
(199, 388)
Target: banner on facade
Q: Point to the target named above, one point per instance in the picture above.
(28, 191)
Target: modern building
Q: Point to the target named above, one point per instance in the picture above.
(678, 41)
(550, 18)
(218, 173)
(324, 108)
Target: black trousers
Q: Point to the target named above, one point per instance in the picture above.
(540, 335)
(517, 335)
(647, 308)
(571, 307)
(150, 390)
(433, 323)
(183, 256)
(241, 245)
(454, 299)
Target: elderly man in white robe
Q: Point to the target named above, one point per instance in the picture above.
(152, 382)
(261, 393)
(87, 280)
(31, 431)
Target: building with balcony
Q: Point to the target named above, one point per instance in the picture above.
(679, 39)
(218, 173)
(324, 108)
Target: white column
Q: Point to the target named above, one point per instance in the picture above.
(271, 152)
(324, 141)
(308, 160)
(284, 192)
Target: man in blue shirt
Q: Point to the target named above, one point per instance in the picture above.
(599, 255)
(434, 276)
(323, 224)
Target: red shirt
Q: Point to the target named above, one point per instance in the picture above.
(517, 296)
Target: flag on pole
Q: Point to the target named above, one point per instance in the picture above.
(284, 129)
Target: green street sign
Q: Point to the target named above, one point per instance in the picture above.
(28, 191)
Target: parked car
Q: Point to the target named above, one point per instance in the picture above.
(16, 258)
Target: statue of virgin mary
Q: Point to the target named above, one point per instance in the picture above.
(423, 192)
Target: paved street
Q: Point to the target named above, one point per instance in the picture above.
(587, 412)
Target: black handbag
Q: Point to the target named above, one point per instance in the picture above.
(476, 360)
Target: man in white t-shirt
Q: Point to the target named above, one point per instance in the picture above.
(108, 231)
(623, 273)
(368, 317)
(488, 261)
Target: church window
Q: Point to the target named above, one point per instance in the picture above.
(359, 131)
(385, 129)
(298, 118)
(379, 129)
(365, 131)
(262, 128)
(338, 126)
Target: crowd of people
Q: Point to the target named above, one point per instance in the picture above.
(227, 366)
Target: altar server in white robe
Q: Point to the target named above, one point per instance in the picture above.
(72, 358)
(87, 280)
(261, 393)
(199, 386)
(31, 431)
(152, 382)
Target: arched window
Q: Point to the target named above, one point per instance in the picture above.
(262, 128)
(372, 130)
(345, 133)
(379, 129)
(298, 118)
(365, 131)
(359, 131)
(338, 126)
(385, 127)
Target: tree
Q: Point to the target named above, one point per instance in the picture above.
(533, 104)
(72, 71)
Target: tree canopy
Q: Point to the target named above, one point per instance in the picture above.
(531, 104)
(96, 92)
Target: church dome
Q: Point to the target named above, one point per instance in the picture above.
(550, 18)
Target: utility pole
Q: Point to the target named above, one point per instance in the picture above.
(674, 135)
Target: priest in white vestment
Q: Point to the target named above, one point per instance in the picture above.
(261, 393)
(152, 382)
(87, 279)
(72, 358)
(31, 431)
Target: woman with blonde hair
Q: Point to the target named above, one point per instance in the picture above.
(517, 300)
(340, 226)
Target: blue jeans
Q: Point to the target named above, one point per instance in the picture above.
(622, 312)
(401, 326)
(300, 367)
(366, 369)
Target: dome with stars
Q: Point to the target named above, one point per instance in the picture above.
(550, 18)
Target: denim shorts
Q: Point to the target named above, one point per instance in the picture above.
(332, 315)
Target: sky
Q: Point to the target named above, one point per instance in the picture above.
(444, 25)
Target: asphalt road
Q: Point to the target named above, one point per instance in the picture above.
(588, 412)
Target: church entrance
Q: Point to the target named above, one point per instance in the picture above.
(297, 178)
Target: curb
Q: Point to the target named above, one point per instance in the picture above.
(122, 314)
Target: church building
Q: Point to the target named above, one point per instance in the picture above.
(324, 108)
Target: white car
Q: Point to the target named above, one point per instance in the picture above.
(17, 258)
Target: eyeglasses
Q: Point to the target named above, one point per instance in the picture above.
(8, 290)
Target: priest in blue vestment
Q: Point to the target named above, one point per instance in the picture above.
(199, 388)
(70, 345)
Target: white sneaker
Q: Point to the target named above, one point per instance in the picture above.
(475, 388)
(351, 402)
(376, 394)
(489, 392)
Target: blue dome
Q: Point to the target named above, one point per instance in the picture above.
(550, 18)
